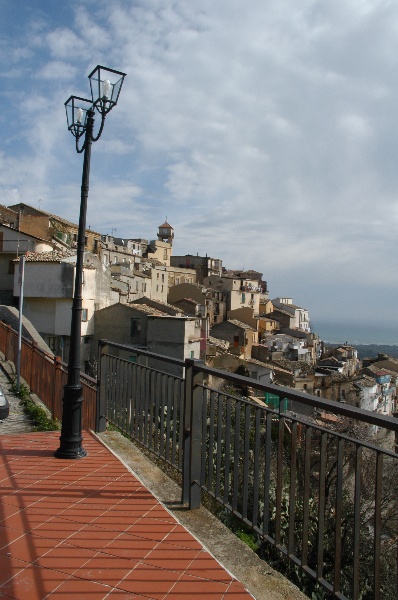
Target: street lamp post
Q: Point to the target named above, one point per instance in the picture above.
(105, 89)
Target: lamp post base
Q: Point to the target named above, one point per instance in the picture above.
(71, 454)
(71, 433)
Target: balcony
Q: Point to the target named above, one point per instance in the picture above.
(313, 482)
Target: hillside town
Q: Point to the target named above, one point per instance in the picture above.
(138, 292)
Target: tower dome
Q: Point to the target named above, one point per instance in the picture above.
(166, 233)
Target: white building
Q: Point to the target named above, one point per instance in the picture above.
(48, 295)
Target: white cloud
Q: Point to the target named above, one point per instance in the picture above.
(265, 133)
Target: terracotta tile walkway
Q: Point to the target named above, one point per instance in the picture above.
(89, 529)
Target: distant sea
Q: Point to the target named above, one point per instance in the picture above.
(356, 333)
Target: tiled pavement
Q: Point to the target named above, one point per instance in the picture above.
(89, 529)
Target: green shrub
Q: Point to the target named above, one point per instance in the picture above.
(33, 411)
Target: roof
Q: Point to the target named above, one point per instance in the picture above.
(29, 235)
(218, 342)
(375, 369)
(148, 310)
(280, 310)
(279, 303)
(254, 361)
(240, 324)
(166, 224)
(54, 256)
(364, 382)
(187, 300)
(43, 212)
(292, 365)
(236, 274)
(159, 302)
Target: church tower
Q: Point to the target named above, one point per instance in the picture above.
(165, 233)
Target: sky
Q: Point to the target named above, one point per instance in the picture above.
(265, 132)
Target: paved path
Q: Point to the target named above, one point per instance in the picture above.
(55, 516)
(89, 528)
(17, 421)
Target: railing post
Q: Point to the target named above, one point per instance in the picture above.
(57, 367)
(192, 444)
(8, 350)
(33, 384)
(100, 416)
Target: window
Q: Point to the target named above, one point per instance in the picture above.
(192, 354)
(84, 314)
(87, 339)
(236, 341)
(162, 277)
(165, 255)
(135, 327)
(243, 297)
(52, 343)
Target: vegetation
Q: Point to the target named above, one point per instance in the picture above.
(241, 476)
(37, 414)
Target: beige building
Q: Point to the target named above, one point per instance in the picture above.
(212, 302)
(240, 336)
(204, 266)
(291, 315)
(162, 248)
(53, 228)
(241, 291)
(148, 327)
(121, 252)
(262, 325)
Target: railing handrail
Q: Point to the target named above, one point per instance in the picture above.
(331, 406)
(141, 350)
(322, 496)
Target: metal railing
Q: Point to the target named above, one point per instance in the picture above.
(46, 375)
(316, 481)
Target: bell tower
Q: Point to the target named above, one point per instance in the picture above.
(165, 233)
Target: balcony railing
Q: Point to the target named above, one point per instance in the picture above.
(46, 375)
(315, 481)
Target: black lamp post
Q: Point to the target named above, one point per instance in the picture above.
(105, 89)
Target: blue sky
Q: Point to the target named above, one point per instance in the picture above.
(266, 133)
